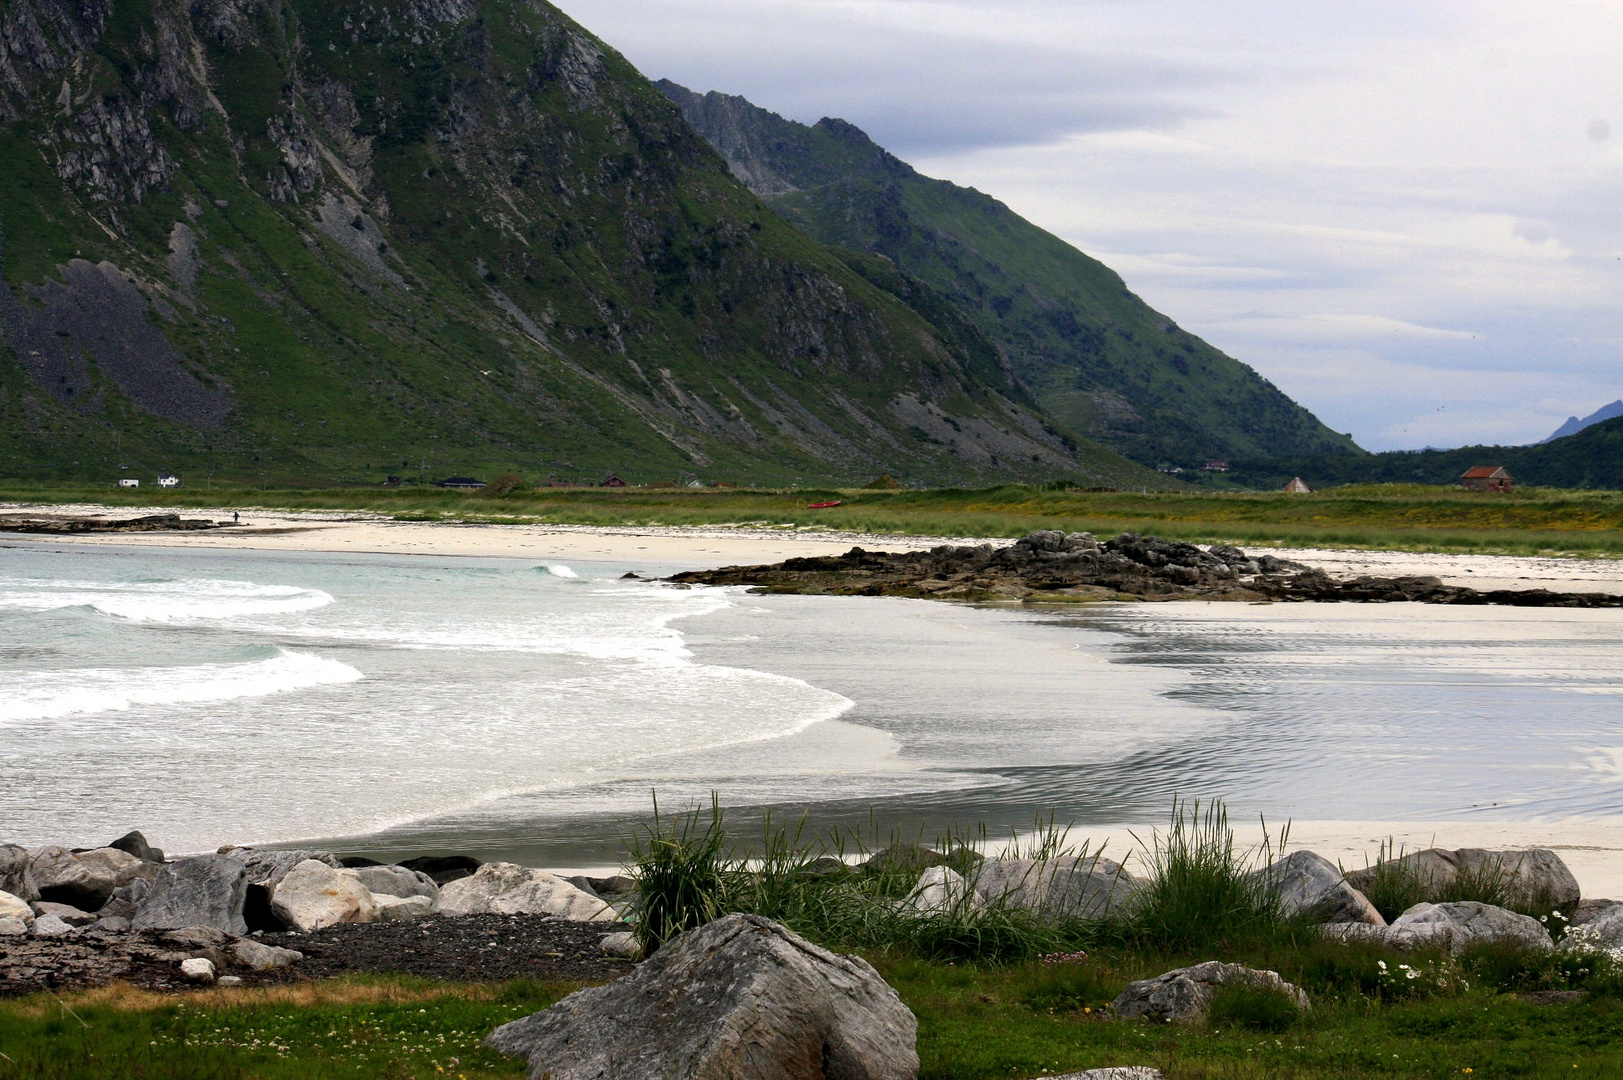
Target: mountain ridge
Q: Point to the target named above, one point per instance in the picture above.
(1574, 425)
(1092, 353)
(284, 238)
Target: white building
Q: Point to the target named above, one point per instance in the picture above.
(168, 479)
(128, 482)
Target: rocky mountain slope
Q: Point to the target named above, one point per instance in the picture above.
(1574, 425)
(304, 239)
(1093, 354)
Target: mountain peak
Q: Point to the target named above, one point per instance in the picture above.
(1575, 425)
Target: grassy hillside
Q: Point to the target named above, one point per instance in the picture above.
(1094, 355)
(1593, 458)
(306, 240)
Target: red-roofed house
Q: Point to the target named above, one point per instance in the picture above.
(1486, 478)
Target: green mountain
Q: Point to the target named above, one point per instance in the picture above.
(298, 239)
(1092, 353)
(1592, 458)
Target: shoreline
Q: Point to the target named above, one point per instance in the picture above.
(711, 546)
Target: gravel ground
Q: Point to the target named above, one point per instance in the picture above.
(469, 948)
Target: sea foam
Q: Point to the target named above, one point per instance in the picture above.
(187, 600)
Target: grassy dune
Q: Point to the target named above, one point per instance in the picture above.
(1408, 517)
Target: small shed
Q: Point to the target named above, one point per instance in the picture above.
(1297, 486)
(168, 479)
(128, 481)
(612, 481)
(1486, 478)
(462, 483)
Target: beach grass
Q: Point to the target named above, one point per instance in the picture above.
(1403, 517)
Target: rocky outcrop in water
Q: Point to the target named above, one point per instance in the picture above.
(1069, 567)
(58, 523)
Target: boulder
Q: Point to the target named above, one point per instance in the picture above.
(15, 907)
(206, 890)
(1070, 887)
(1184, 995)
(314, 894)
(909, 859)
(618, 885)
(16, 874)
(84, 880)
(1312, 886)
(70, 915)
(266, 869)
(623, 945)
(1118, 1072)
(741, 998)
(13, 926)
(112, 924)
(397, 881)
(198, 969)
(1534, 875)
(940, 889)
(1605, 931)
(204, 941)
(1587, 911)
(443, 868)
(403, 908)
(508, 889)
(121, 865)
(262, 957)
(1458, 926)
(50, 926)
(134, 843)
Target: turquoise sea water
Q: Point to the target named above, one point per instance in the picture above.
(510, 708)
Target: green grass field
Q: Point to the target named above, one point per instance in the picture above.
(975, 1023)
(1387, 516)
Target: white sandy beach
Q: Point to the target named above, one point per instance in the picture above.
(1593, 847)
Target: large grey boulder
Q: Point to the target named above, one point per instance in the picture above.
(509, 889)
(313, 895)
(741, 998)
(268, 868)
(262, 957)
(16, 873)
(206, 890)
(1184, 995)
(71, 915)
(403, 908)
(50, 926)
(84, 880)
(1070, 887)
(1460, 925)
(397, 881)
(1534, 875)
(1311, 886)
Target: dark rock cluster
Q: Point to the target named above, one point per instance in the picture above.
(1069, 567)
(66, 524)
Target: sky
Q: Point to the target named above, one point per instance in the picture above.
(1408, 216)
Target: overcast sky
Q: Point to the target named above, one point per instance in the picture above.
(1407, 215)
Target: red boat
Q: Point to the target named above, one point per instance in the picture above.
(822, 505)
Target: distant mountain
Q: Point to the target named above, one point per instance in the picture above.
(1592, 458)
(1092, 353)
(1575, 425)
(298, 239)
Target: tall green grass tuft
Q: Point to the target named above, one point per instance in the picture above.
(686, 876)
(1203, 891)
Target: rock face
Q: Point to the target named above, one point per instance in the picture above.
(397, 881)
(16, 873)
(208, 890)
(1184, 996)
(1312, 886)
(741, 998)
(1535, 875)
(506, 888)
(313, 895)
(1051, 565)
(1071, 887)
(1462, 924)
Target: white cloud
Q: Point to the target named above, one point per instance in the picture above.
(1405, 214)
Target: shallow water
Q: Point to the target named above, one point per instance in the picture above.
(509, 709)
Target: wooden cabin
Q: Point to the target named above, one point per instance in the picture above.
(462, 483)
(1486, 478)
(612, 481)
